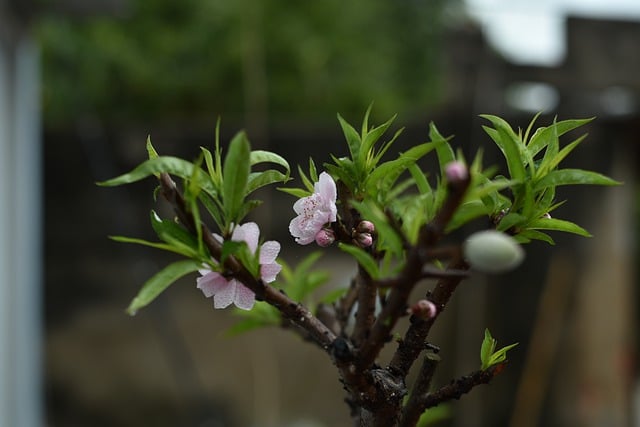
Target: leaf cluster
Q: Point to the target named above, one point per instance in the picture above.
(220, 185)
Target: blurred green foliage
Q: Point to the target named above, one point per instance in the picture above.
(204, 57)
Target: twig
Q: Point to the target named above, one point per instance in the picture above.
(415, 405)
(295, 312)
(461, 386)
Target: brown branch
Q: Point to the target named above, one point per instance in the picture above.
(410, 275)
(410, 347)
(415, 405)
(293, 311)
(461, 386)
(367, 292)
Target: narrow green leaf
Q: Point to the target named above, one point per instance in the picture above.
(296, 192)
(558, 225)
(443, 149)
(486, 349)
(352, 137)
(157, 245)
(510, 220)
(545, 135)
(260, 179)
(530, 234)
(150, 150)
(163, 164)
(573, 177)
(261, 156)
(500, 355)
(364, 259)
(160, 281)
(510, 145)
(235, 176)
(552, 163)
(371, 137)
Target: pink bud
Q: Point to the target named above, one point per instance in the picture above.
(424, 309)
(325, 237)
(456, 171)
(366, 227)
(364, 240)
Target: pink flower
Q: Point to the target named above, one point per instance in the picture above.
(314, 211)
(456, 171)
(229, 290)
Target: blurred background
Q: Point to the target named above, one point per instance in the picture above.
(82, 84)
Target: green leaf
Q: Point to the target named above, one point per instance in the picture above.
(488, 355)
(467, 212)
(546, 135)
(486, 349)
(260, 179)
(261, 156)
(511, 146)
(163, 164)
(573, 177)
(170, 231)
(443, 149)
(511, 220)
(296, 192)
(150, 150)
(364, 259)
(157, 245)
(369, 138)
(551, 163)
(160, 281)
(235, 177)
(558, 225)
(352, 137)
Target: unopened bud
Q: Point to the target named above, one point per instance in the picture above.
(364, 240)
(424, 309)
(456, 171)
(546, 215)
(325, 237)
(365, 227)
(492, 251)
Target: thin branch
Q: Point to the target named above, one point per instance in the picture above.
(413, 342)
(293, 311)
(367, 292)
(461, 386)
(410, 275)
(415, 405)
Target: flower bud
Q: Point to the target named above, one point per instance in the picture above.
(424, 309)
(365, 227)
(364, 240)
(325, 237)
(456, 171)
(492, 251)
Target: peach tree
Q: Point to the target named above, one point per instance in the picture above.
(387, 214)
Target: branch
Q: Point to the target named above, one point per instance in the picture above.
(415, 405)
(291, 310)
(411, 274)
(461, 386)
(413, 343)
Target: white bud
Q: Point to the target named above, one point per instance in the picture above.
(492, 251)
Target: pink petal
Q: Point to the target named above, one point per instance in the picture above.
(298, 230)
(269, 252)
(225, 295)
(249, 233)
(211, 283)
(244, 297)
(326, 186)
(268, 272)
